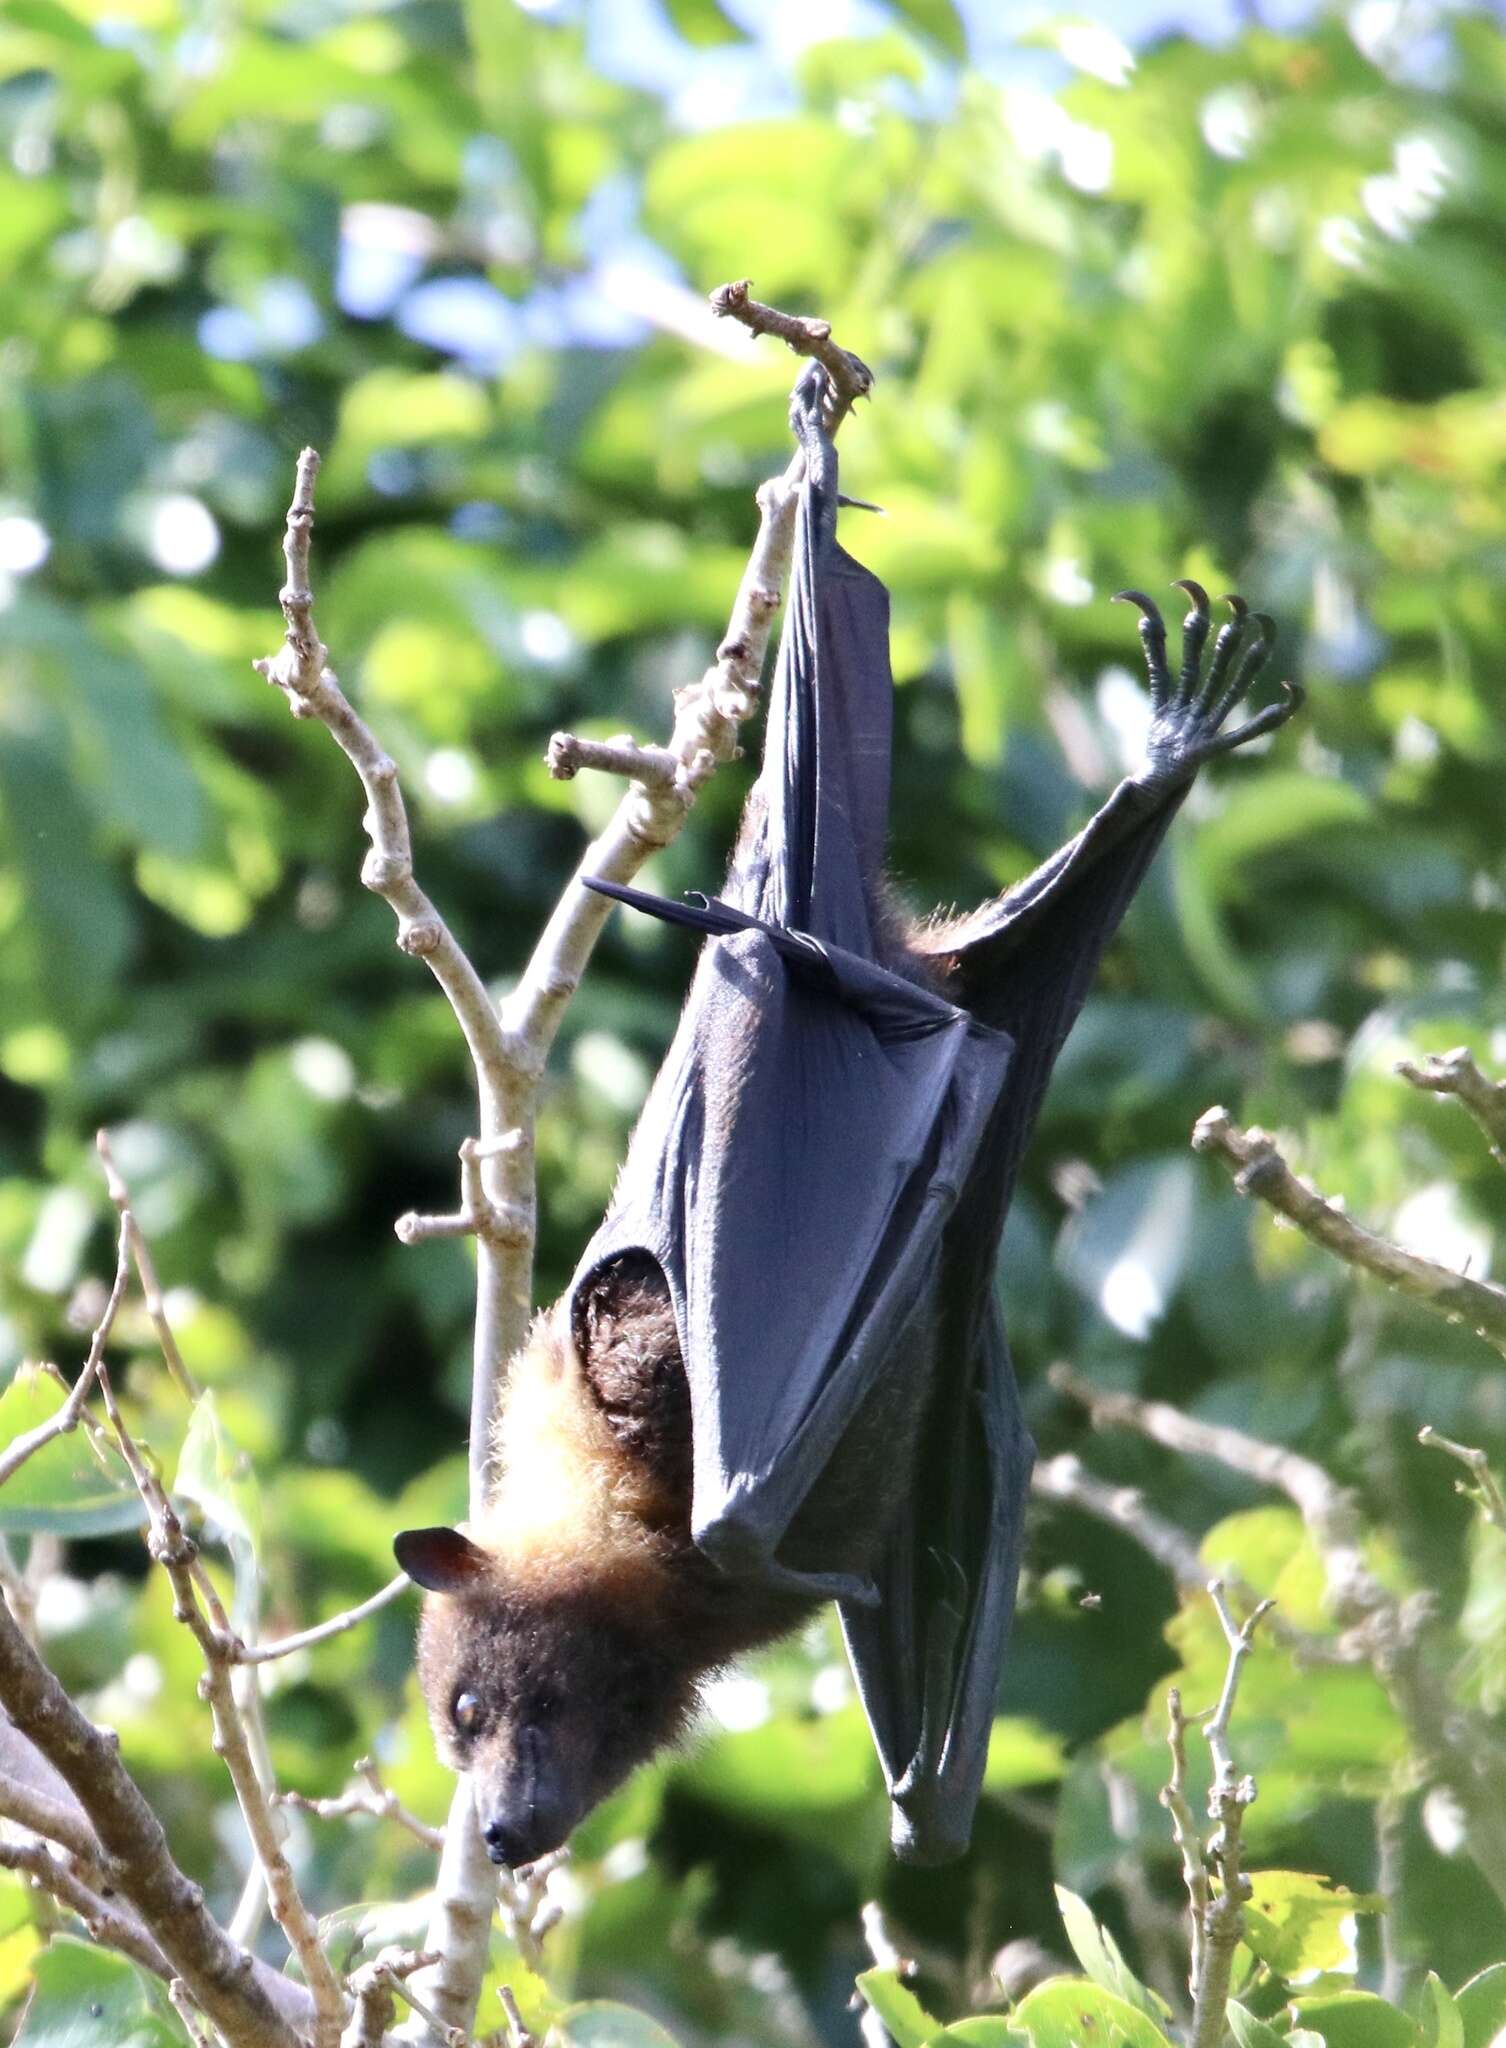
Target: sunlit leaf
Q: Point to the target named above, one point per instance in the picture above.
(1098, 1952)
(88, 1998)
(1296, 1923)
(68, 1488)
(1065, 2013)
(902, 2013)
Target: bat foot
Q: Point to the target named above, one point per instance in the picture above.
(1189, 708)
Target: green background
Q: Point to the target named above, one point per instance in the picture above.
(1238, 316)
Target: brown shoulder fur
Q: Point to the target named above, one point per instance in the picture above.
(575, 1509)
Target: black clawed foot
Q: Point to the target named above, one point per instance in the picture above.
(1186, 717)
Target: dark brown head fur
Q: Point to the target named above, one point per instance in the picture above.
(564, 1640)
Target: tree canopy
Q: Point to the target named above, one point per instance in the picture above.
(1231, 311)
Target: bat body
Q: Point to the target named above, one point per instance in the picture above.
(779, 1375)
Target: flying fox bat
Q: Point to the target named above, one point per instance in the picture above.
(779, 1375)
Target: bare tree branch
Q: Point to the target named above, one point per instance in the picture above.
(1482, 1486)
(225, 1982)
(375, 1987)
(1067, 1481)
(62, 1821)
(1395, 1636)
(1261, 1171)
(518, 2035)
(1224, 1915)
(112, 1926)
(321, 1632)
(1184, 1829)
(850, 375)
(369, 1795)
(146, 1270)
(1455, 1073)
(173, 1548)
(67, 1418)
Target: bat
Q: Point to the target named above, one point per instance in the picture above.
(779, 1375)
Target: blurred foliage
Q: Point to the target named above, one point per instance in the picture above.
(1231, 312)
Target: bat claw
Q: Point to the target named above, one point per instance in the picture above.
(1196, 594)
(1236, 604)
(1146, 606)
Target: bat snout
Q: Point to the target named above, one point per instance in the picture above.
(530, 1808)
(518, 1838)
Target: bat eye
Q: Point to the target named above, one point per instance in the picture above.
(466, 1713)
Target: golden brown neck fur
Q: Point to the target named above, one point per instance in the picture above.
(572, 1509)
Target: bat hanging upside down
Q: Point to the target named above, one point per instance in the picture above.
(779, 1375)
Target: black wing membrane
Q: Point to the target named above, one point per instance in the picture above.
(822, 1171)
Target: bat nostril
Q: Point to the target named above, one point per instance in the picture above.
(506, 1843)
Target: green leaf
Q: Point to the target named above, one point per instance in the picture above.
(1066, 2013)
(1442, 2021)
(1356, 2019)
(984, 2030)
(1250, 2032)
(1098, 1952)
(601, 2023)
(898, 2007)
(1022, 1752)
(217, 1478)
(66, 1488)
(938, 20)
(1482, 2006)
(1296, 1922)
(86, 1997)
(702, 23)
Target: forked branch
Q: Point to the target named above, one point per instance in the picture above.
(1260, 1170)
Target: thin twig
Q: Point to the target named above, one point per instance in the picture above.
(367, 1795)
(321, 1632)
(373, 1988)
(1224, 1915)
(200, 2031)
(1239, 1638)
(1394, 1636)
(453, 2037)
(173, 1548)
(656, 767)
(1066, 1480)
(518, 2034)
(1260, 1170)
(112, 1926)
(1184, 1829)
(146, 1270)
(1455, 1073)
(851, 377)
(226, 1982)
(57, 1820)
(67, 1418)
(301, 671)
(1482, 1486)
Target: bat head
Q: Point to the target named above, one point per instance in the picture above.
(546, 1699)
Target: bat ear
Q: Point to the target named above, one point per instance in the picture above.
(440, 1560)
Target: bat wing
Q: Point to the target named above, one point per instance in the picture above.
(803, 1173)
